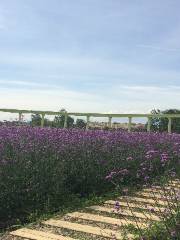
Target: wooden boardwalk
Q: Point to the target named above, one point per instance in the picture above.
(105, 221)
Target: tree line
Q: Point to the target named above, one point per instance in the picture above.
(58, 121)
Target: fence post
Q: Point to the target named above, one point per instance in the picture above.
(65, 119)
(110, 122)
(87, 125)
(42, 120)
(20, 117)
(169, 125)
(149, 124)
(129, 124)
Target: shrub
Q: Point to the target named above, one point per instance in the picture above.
(80, 123)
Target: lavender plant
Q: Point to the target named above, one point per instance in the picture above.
(41, 167)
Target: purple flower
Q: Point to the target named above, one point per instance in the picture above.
(110, 175)
(173, 174)
(152, 210)
(164, 158)
(173, 234)
(146, 178)
(123, 172)
(117, 206)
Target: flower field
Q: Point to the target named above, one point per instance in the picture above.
(41, 167)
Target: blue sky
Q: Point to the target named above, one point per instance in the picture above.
(90, 55)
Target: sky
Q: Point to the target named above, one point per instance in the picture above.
(109, 56)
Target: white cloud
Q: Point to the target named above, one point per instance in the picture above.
(151, 89)
(81, 67)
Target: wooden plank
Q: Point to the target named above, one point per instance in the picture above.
(100, 218)
(144, 200)
(38, 235)
(176, 181)
(160, 190)
(126, 213)
(154, 196)
(86, 229)
(135, 205)
(174, 184)
(166, 199)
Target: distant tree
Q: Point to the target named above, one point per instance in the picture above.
(80, 123)
(36, 119)
(161, 124)
(60, 119)
(155, 122)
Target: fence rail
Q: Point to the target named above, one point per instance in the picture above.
(88, 115)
